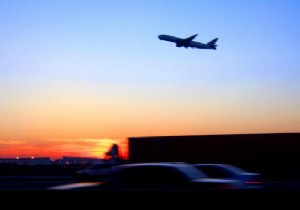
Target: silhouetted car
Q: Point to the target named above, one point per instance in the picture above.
(99, 171)
(154, 176)
(242, 178)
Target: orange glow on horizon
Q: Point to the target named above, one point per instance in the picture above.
(57, 148)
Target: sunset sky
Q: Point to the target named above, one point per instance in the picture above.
(79, 75)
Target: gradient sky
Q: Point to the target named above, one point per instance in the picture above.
(79, 75)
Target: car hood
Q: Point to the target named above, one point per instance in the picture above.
(74, 186)
(214, 180)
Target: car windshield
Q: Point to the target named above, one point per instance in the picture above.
(235, 169)
(192, 172)
(220, 170)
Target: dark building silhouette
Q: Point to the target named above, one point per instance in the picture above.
(275, 155)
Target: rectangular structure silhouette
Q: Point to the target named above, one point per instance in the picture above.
(275, 155)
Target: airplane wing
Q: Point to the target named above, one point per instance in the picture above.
(189, 39)
(185, 42)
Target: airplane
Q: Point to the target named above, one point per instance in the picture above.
(188, 42)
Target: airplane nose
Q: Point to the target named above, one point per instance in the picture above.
(159, 36)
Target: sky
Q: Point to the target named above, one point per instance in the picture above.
(80, 75)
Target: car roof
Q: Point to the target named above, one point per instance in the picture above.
(186, 168)
(171, 164)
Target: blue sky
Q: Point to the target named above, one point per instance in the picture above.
(96, 69)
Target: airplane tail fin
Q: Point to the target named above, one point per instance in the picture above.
(212, 43)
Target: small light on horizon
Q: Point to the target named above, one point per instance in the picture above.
(32, 157)
(17, 158)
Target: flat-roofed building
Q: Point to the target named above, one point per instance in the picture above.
(269, 153)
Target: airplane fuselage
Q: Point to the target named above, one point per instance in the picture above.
(200, 45)
(188, 42)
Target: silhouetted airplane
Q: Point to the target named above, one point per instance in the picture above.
(187, 42)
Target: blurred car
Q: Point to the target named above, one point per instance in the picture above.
(154, 176)
(98, 171)
(242, 178)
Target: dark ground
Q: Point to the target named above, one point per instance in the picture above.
(269, 199)
(280, 194)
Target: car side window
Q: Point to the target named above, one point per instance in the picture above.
(167, 176)
(215, 172)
